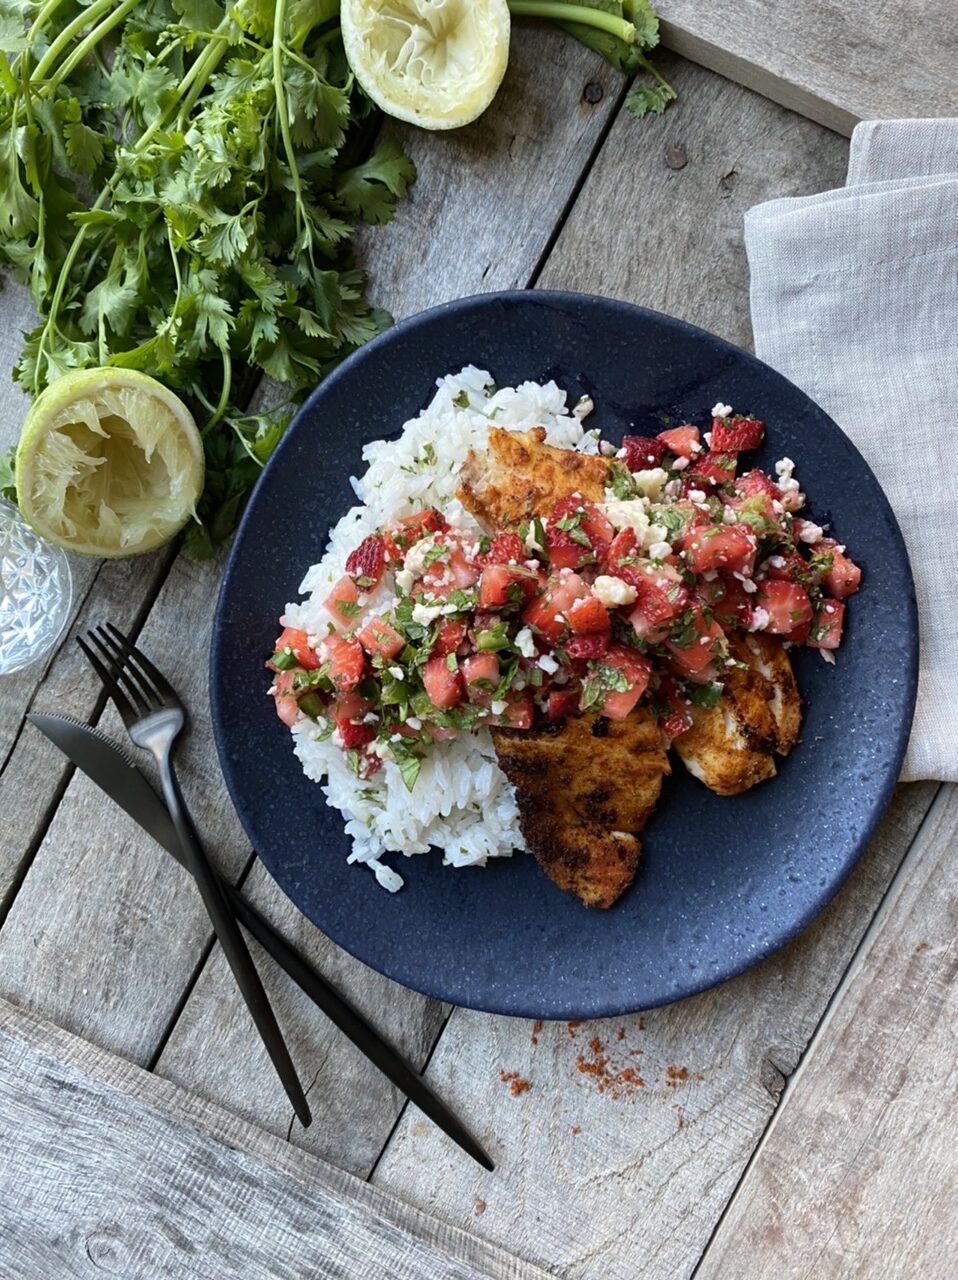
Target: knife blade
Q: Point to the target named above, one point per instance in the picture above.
(108, 765)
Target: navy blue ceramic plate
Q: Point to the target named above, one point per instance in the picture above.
(723, 882)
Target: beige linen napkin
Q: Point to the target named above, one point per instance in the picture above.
(855, 299)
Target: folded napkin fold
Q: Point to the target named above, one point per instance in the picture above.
(855, 299)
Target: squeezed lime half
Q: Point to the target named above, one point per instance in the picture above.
(434, 63)
(109, 463)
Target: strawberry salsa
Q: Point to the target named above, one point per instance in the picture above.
(590, 608)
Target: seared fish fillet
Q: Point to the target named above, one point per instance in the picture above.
(520, 476)
(585, 786)
(731, 746)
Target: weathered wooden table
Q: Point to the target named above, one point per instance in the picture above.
(796, 1121)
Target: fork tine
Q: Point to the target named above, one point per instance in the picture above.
(127, 714)
(121, 675)
(164, 687)
(135, 680)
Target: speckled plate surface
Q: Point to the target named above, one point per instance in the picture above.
(723, 882)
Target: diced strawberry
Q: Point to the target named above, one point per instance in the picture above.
(506, 584)
(659, 600)
(734, 434)
(562, 703)
(692, 521)
(369, 765)
(682, 441)
(596, 527)
(443, 687)
(564, 552)
(733, 606)
(826, 629)
(588, 615)
(546, 613)
(355, 736)
(287, 707)
(463, 573)
(482, 620)
(588, 540)
(636, 669)
(727, 547)
(505, 547)
(365, 565)
(422, 522)
(346, 661)
(642, 453)
(624, 546)
(588, 646)
(786, 567)
(480, 672)
(450, 636)
(297, 642)
(440, 733)
(349, 706)
(678, 717)
(342, 604)
(756, 481)
(698, 650)
(520, 712)
(715, 468)
(842, 578)
(380, 636)
(788, 607)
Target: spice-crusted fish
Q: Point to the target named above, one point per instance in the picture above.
(519, 476)
(732, 745)
(585, 786)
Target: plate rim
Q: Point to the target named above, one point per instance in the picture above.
(910, 626)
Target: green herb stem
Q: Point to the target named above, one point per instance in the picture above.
(84, 19)
(282, 108)
(560, 12)
(198, 76)
(88, 44)
(44, 16)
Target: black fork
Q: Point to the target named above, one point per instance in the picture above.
(154, 717)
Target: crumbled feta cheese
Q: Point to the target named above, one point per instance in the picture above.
(777, 562)
(525, 643)
(415, 558)
(630, 514)
(404, 580)
(680, 464)
(759, 619)
(784, 468)
(395, 737)
(657, 533)
(548, 664)
(613, 591)
(811, 533)
(583, 408)
(499, 707)
(721, 410)
(729, 515)
(337, 739)
(697, 495)
(659, 551)
(606, 448)
(710, 575)
(707, 437)
(651, 482)
(673, 489)
(532, 564)
(369, 718)
(381, 749)
(749, 585)
(396, 672)
(425, 613)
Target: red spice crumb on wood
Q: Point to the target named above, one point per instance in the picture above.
(596, 1045)
(536, 1028)
(479, 1207)
(615, 1081)
(620, 1034)
(576, 1129)
(641, 1024)
(515, 1082)
(679, 1114)
(576, 1022)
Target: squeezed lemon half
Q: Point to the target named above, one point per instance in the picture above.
(434, 63)
(109, 463)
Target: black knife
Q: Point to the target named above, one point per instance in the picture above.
(108, 765)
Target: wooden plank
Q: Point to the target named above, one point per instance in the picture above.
(109, 1169)
(857, 1176)
(108, 945)
(600, 1175)
(836, 63)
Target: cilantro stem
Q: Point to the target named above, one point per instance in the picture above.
(282, 109)
(223, 402)
(561, 12)
(87, 45)
(44, 16)
(200, 73)
(85, 18)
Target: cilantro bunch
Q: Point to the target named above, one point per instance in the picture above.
(179, 182)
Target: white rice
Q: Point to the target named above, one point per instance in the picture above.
(462, 803)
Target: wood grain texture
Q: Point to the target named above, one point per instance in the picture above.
(107, 1169)
(857, 1176)
(600, 1177)
(484, 206)
(659, 219)
(835, 62)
